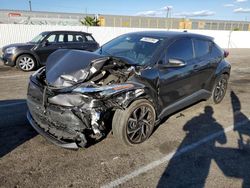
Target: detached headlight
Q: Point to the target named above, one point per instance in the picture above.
(10, 50)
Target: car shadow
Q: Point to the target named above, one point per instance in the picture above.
(191, 169)
(14, 126)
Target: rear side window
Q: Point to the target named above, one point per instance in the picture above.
(70, 38)
(79, 38)
(181, 49)
(201, 47)
(61, 38)
(90, 38)
(217, 51)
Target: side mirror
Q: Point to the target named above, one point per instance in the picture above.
(45, 43)
(175, 63)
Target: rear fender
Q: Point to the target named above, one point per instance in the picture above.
(223, 68)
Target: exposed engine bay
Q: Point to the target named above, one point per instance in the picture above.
(73, 103)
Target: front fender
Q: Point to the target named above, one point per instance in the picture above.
(124, 98)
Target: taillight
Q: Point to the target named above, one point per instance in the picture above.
(226, 53)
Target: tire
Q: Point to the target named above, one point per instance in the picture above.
(135, 124)
(26, 63)
(220, 88)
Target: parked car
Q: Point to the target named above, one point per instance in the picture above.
(142, 77)
(29, 56)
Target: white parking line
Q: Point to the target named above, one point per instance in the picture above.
(166, 158)
(14, 76)
(12, 104)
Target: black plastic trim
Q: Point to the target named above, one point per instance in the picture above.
(199, 95)
(50, 138)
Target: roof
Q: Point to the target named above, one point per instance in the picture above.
(171, 34)
(65, 31)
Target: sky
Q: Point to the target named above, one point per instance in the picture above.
(206, 9)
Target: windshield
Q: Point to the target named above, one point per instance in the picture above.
(38, 38)
(137, 48)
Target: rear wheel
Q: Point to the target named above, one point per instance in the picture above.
(135, 124)
(26, 63)
(220, 89)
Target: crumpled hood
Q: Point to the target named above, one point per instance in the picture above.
(65, 68)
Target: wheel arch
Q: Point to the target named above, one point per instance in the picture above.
(120, 119)
(223, 68)
(142, 94)
(37, 61)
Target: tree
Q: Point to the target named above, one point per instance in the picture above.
(90, 21)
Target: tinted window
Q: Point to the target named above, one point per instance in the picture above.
(201, 47)
(216, 51)
(181, 49)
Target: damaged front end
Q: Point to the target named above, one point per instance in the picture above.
(70, 100)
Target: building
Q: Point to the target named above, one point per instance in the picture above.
(73, 19)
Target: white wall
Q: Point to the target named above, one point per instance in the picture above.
(10, 33)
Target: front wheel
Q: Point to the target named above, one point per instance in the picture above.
(135, 124)
(220, 89)
(26, 63)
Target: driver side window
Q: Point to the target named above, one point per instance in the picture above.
(181, 49)
(51, 38)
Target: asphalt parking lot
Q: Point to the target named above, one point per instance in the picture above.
(202, 146)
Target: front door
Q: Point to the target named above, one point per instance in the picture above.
(177, 83)
(48, 46)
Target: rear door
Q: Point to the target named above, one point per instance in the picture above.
(81, 42)
(204, 65)
(73, 41)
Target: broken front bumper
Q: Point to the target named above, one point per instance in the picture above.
(50, 137)
(56, 115)
(61, 125)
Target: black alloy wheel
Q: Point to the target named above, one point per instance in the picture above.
(220, 89)
(135, 124)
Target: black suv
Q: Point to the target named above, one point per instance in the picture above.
(137, 79)
(30, 55)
